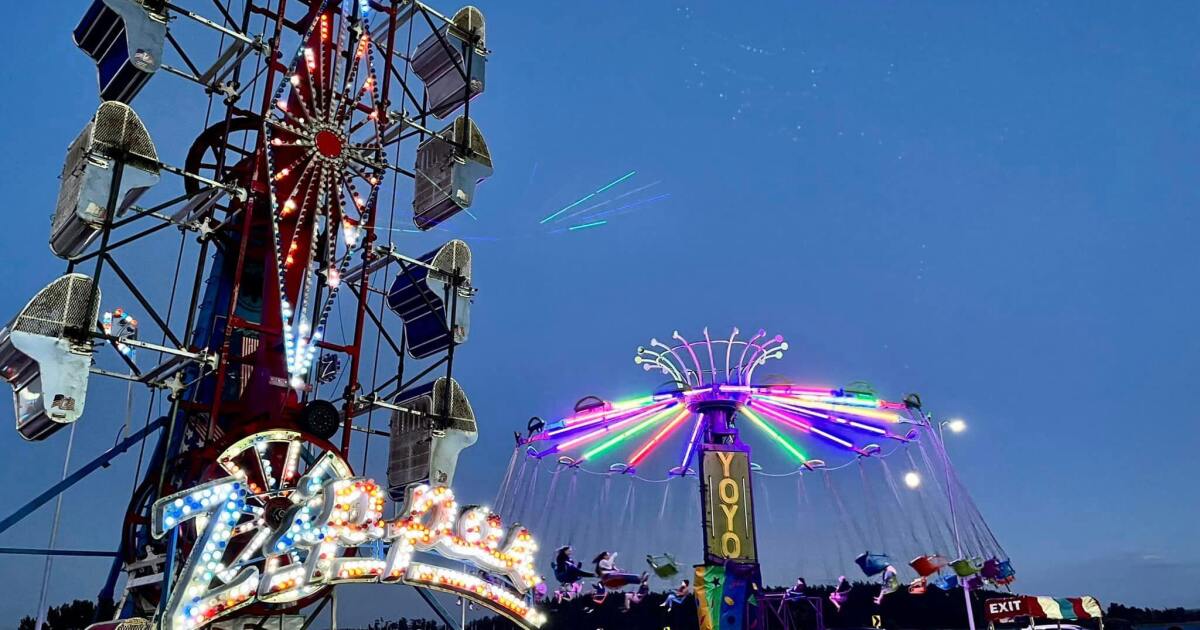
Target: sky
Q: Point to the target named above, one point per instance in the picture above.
(989, 204)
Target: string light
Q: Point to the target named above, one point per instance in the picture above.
(332, 511)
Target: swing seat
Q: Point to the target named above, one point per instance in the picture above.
(926, 566)
(974, 582)
(917, 586)
(888, 587)
(944, 582)
(964, 567)
(999, 572)
(664, 565)
(872, 564)
(990, 569)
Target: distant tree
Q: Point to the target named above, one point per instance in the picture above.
(76, 615)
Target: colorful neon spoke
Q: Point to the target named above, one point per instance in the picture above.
(850, 409)
(658, 437)
(782, 441)
(599, 431)
(781, 414)
(626, 434)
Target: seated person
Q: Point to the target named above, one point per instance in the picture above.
(566, 569)
(797, 590)
(891, 584)
(539, 592)
(611, 576)
(677, 596)
(840, 593)
(643, 590)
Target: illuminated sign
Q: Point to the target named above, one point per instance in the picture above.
(1006, 608)
(327, 513)
(728, 505)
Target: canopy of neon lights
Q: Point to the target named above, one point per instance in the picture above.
(792, 419)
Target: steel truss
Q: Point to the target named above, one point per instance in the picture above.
(218, 203)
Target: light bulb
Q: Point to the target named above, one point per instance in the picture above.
(912, 479)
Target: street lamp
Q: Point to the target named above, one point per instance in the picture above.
(912, 479)
(956, 425)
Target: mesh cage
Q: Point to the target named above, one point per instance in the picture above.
(451, 256)
(470, 21)
(410, 447)
(467, 133)
(61, 306)
(72, 178)
(116, 128)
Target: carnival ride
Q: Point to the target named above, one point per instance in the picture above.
(843, 476)
(308, 108)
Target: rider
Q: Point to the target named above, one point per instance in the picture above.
(890, 584)
(797, 590)
(677, 596)
(840, 593)
(566, 569)
(611, 576)
(643, 590)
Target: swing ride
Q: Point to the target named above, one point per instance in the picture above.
(247, 502)
(602, 460)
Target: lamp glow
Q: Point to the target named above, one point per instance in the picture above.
(957, 425)
(912, 479)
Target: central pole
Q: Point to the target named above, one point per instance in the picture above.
(730, 573)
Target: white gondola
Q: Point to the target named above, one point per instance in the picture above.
(125, 38)
(425, 441)
(114, 136)
(45, 355)
(450, 59)
(449, 166)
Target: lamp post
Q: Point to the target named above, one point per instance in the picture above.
(955, 425)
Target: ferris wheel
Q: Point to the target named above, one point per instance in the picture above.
(311, 107)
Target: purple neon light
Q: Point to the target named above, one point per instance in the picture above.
(608, 416)
(840, 407)
(729, 350)
(696, 360)
(587, 437)
(742, 359)
(781, 414)
(712, 363)
(795, 423)
(691, 445)
(842, 421)
(796, 408)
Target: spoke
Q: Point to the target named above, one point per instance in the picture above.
(658, 437)
(626, 434)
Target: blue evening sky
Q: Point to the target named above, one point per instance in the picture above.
(991, 204)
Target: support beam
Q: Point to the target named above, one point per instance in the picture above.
(78, 475)
(79, 553)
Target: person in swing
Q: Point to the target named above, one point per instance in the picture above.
(840, 593)
(566, 569)
(610, 575)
